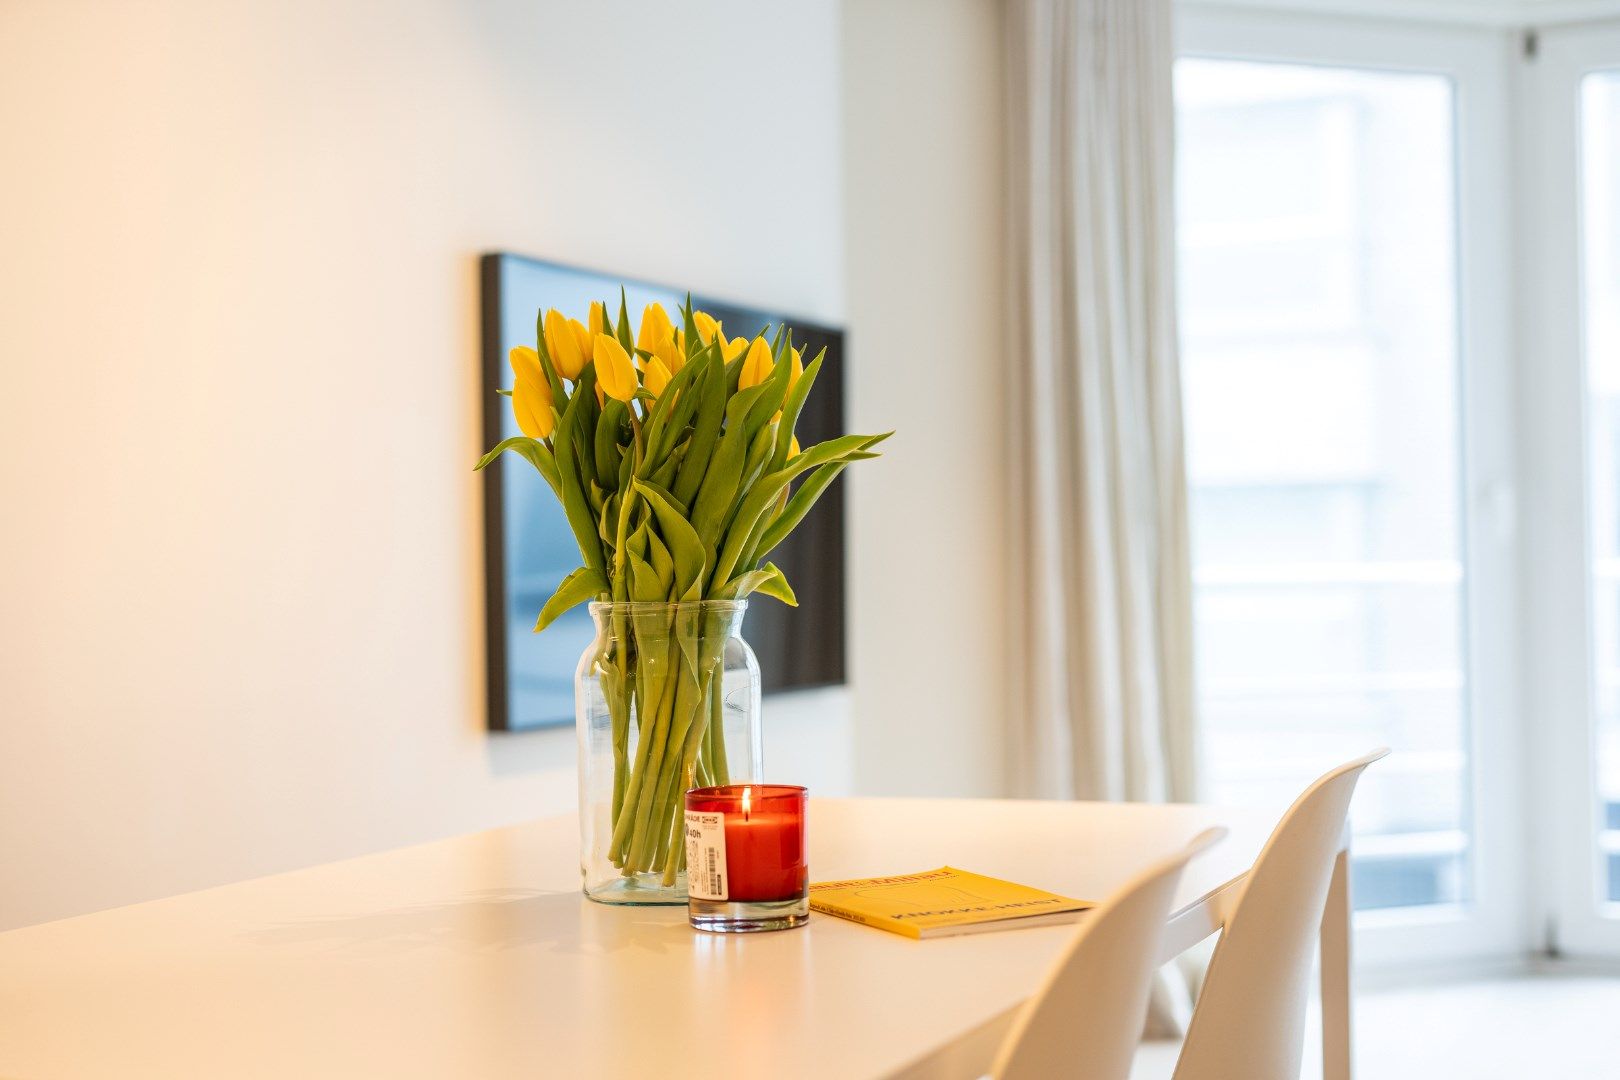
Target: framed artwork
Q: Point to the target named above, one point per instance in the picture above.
(527, 544)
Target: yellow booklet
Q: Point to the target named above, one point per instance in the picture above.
(935, 903)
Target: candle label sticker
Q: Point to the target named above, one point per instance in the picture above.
(706, 855)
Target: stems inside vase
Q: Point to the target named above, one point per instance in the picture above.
(664, 675)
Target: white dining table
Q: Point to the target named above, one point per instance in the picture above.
(478, 957)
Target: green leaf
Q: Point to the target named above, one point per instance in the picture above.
(607, 521)
(582, 433)
(647, 485)
(531, 450)
(663, 563)
(664, 475)
(609, 432)
(627, 467)
(575, 589)
(791, 409)
(675, 407)
(557, 393)
(623, 331)
(682, 540)
(716, 498)
(700, 451)
(759, 455)
(797, 507)
(644, 584)
(693, 341)
(776, 584)
(573, 480)
(761, 496)
(772, 392)
(767, 579)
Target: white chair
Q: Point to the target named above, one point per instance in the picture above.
(1085, 1020)
(1249, 1023)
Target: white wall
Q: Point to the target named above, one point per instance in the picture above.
(240, 580)
(239, 551)
(1516, 13)
(922, 114)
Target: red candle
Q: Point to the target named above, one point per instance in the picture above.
(745, 842)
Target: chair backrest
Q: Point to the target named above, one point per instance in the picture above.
(1086, 1020)
(1250, 1018)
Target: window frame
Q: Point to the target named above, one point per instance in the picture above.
(1479, 63)
(1560, 675)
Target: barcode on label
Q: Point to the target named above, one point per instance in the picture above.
(706, 855)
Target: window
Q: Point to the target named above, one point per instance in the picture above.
(1318, 301)
(1600, 259)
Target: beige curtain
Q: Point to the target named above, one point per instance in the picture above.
(1105, 661)
(1104, 653)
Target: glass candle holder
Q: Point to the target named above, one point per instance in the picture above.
(745, 867)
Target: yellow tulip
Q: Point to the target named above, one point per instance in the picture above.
(596, 321)
(732, 349)
(531, 394)
(793, 447)
(757, 367)
(707, 325)
(655, 376)
(525, 363)
(655, 328)
(586, 339)
(671, 355)
(563, 343)
(614, 372)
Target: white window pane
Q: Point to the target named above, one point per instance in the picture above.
(1600, 216)
(1316, 227)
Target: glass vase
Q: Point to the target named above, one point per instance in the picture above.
(666, 699)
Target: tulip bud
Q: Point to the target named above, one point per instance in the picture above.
(655, 376)
(671, 355)
(597, 321)
(563, 343)
(614, 372)
(656, 329)
(757, 367)
(732, 349)
(795, 371)
(586, 339)
(531, 394)
(525, 362)
(707, 325)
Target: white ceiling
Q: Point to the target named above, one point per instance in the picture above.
(1481, 12)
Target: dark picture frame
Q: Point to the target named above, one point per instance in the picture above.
(527, 544)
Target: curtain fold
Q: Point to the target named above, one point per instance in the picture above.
(1103, 661)
(1103, 669)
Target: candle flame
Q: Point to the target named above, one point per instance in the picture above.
(748, 794)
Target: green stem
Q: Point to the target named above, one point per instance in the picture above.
(655, 779)
(619, 717)
(716, 757)
(653, 726)
(707, 720)
(676, 685)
